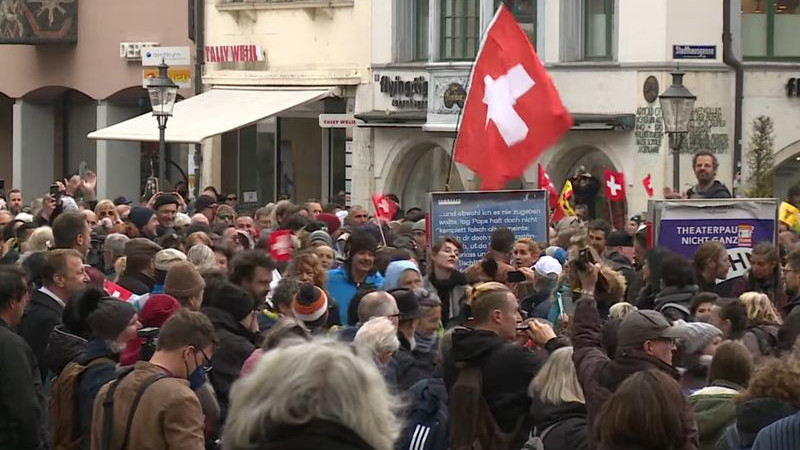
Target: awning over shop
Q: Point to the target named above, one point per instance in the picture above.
(211, 113)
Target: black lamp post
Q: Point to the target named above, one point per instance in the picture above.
(162, 93)
(677, 104)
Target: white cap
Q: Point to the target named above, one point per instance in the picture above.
(547, 265)
(25, 217)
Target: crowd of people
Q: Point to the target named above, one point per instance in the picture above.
(176, 323)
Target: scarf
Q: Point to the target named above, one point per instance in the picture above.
(426, 344)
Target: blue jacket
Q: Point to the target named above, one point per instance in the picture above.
(342, 288)
(781, 435)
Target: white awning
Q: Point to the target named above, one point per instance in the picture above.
(211, 113)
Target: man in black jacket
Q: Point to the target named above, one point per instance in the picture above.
(63, 275)
(22, 405)
(705, 166)
(140, 266)
(506, 368)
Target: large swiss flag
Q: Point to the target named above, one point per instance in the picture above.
(513, 111)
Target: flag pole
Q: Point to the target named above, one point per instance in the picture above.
(453, 147)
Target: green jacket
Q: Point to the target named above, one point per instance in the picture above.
(714, 409)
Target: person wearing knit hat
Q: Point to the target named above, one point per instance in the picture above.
(165, 259)
(145, 221)
(184, 282)
(357, 270)
(331, 221)
(166, 206)
(112, 323)
(320, 237)
(140, 266)
(310, 305)
(155, 312)
(232, 312)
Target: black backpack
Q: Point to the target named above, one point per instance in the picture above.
(426, 417)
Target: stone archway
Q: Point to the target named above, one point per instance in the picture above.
(563, 166)
(787, 169)
(418, 170)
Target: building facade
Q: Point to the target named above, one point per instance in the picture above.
(71, 68)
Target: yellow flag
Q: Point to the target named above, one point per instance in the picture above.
(788, 214)
(563, 199)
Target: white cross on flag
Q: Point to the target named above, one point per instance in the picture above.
(615, 185)
(513, 112)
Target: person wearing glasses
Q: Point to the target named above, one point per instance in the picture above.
(645, 341)
(791, 275)
(114, 323)
(168, 414)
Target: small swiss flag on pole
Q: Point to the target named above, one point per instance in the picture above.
(647, 182)
(385, 208)
(545, 183)
(513, 111)
(615, 185)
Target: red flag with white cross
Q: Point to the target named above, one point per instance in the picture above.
(615, 185)
(647, 182)
(513, 111)
(385, 208)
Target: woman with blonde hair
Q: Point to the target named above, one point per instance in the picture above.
(318, 394)
(306, 267)
(105, 209)
(763, 323)
(558, 407)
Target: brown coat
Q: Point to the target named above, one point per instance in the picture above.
(168, 416)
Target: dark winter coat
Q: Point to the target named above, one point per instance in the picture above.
(624, 266)
(92, 379)
(773, 287)
(751, 417)
(22, 405)
(568, 421)
(600, 376)
(138, 283)
(315, 434)
(410, 366)
(42, 314)
(674, 302)
(507, 369)
(63, 347)
(235, 345)
(716, 190)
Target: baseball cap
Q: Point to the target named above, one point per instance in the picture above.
(121, 200)
(639, 326)
(546, 265)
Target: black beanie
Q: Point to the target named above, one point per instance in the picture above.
(110, 318)
(234, 300)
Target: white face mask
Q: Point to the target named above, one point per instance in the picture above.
(116, 347)
(705, 360)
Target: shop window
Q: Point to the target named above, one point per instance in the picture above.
(525, 13)
(769, 28)
(460, 29)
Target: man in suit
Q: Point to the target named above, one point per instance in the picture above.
(63, 274)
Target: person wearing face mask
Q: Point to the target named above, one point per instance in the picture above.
(232, 311)
(446, 280)
(168, 413)
(695, 350)
(113, 324)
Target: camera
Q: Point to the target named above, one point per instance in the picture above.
(150, 336)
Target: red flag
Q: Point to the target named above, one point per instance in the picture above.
(280, 245)
(116, 291)
(545, 183)
(615, 185)
(385, 208)
(647, 182)
(513, 111)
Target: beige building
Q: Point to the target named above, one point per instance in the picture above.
(71, 79)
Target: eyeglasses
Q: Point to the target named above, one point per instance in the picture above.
(207, 366)
(230, 199)
(225, 217)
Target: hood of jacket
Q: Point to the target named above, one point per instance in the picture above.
(62, 348)
(223, 320)
(96, 348)
(714, 409)
(755, 414)
(547, 414)
(473, 345)
(628, 362)
(674, 294)
(394, 272)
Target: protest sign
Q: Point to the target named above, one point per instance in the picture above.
(738, 224)
(472, 216)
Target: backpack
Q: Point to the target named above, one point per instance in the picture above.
(64, 416)
(766, 341)
(426, 417)
(472, 424)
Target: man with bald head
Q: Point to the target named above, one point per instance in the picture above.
(373, 304)
(199, 218)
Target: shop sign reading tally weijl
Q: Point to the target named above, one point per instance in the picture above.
(233, 53)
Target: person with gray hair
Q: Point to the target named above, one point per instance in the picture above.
(202, 257)
(378, 337)
(286, 404)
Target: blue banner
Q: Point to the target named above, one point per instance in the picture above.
(471, 217)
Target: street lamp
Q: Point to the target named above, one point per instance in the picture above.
(676, 108)
(162, 93)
